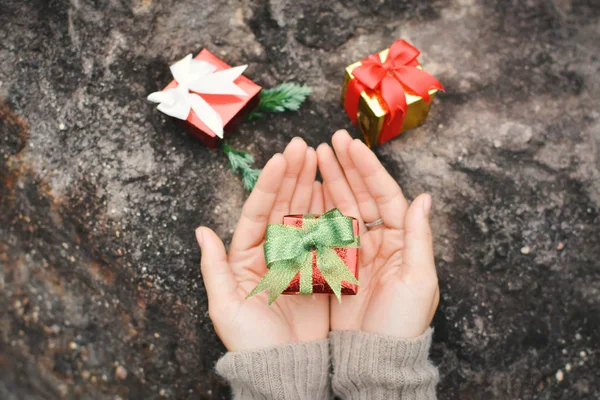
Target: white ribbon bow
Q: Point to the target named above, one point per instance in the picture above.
(200, 77)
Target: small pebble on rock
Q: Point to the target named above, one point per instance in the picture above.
(121, 373)
(559, 375)
(525, 250)
(63, 389)
(560, 246)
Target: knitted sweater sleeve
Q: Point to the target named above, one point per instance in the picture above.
(375, 367)
(365, 366)
(294, 371)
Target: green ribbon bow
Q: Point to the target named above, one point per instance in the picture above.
(288, 250)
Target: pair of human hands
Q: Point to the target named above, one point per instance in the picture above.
(398, 292)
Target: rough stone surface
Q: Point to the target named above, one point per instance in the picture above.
(100, 194)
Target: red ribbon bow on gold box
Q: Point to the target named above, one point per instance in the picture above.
(388, 93)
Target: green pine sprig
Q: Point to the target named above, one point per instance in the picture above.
(241, 164)
(287, 96)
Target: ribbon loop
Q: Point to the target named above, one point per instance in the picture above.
(402, 53)
(288, 250)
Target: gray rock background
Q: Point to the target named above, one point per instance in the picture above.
(100, 291)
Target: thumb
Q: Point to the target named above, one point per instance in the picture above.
(217, 275)
(418, 252)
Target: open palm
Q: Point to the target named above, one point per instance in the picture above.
(398, 292)
(285, 186)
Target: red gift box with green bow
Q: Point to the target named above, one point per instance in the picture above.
(311, 254)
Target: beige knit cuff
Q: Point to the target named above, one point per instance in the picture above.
(291, 371)
(375, 367)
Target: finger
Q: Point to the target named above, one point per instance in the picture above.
(366, 204)
(317, 205)
(301, 199)
(327, 198)
(217, 275)
(251, 227)
(383, 188)
(418, 259)
(337, 185)
(294, 156)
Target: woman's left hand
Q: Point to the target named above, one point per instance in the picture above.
(285, 186)
(398, 292)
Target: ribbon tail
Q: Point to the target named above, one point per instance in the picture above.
(206, 114)
(276, 279)
(334, 271)
(394, 96)
(306, 275)
(161, 97)
(353, 90)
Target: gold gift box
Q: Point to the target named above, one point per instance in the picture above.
(371, 113)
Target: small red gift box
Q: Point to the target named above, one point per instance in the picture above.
(348, 255)
(232, 109)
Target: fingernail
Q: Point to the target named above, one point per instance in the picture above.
(296, 138)
(322, 146)
(199, 237)
(426, 205)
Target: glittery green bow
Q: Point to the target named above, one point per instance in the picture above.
(288, 250)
